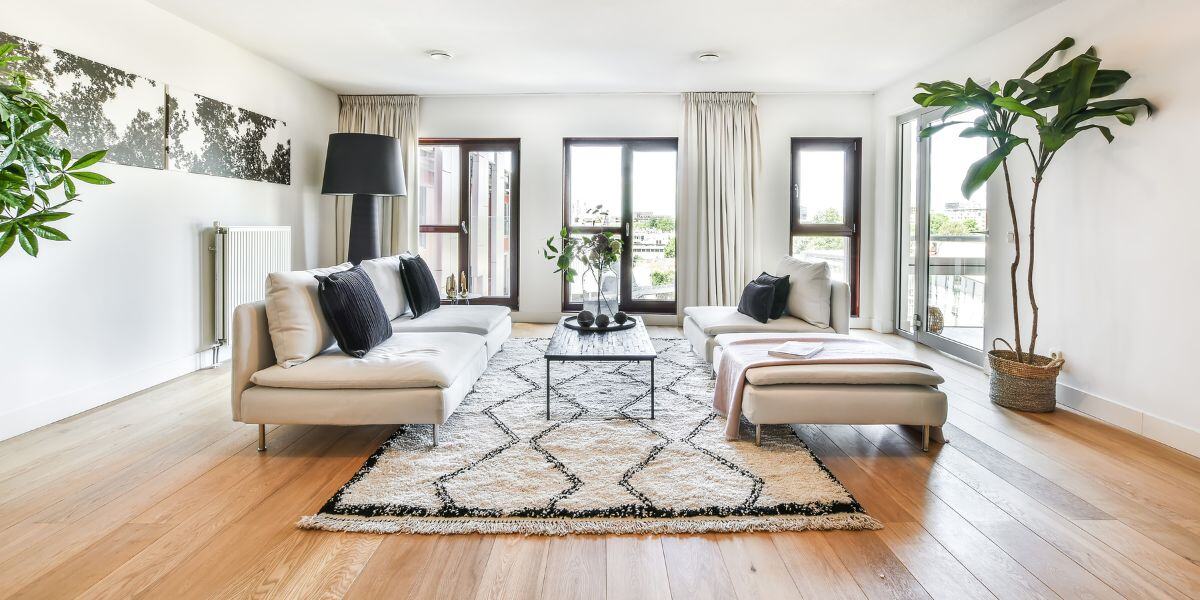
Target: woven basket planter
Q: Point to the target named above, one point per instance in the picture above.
(1027, 386)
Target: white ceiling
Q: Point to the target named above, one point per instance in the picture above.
(573, 46)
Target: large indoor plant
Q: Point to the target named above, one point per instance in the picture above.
(598, 252)
(1060, 104)
(33, 170)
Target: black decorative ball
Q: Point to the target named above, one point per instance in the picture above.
(620, 317)
(586, 318)
(602, 321)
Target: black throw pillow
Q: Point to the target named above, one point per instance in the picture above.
(420, 287)
(782, 285)
(353, 310)
(756, 301)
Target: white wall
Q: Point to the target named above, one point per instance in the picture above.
(124, 306)
(542, 121)
(1117, 268)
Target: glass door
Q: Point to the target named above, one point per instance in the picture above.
(942, 239)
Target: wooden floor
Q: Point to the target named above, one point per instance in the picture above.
(162, 496)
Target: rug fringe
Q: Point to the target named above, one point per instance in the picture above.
(448, 526)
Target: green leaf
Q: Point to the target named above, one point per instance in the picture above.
(90, 177)
(1126, 103)
(27, 240)
(932, 129)
(979, 172)
(49, 233)
(88, 159)
(1045, 58)
(8, 236)
(1011, 104)
(48, 216)
(1106, 132)
(1077, 92)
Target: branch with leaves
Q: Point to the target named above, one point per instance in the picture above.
(1062, 103)
(32, 167)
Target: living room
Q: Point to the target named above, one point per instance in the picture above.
(562, 301)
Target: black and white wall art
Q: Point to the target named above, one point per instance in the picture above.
(214, 138)
(103, 107)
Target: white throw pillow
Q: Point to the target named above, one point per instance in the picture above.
(385, 274)
(294, 318)
(808, 298)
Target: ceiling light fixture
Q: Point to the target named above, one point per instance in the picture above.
(438, 55)
(708, 57)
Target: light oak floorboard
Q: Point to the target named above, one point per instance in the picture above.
(161, 495)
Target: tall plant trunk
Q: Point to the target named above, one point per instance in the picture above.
(1033, 333)
(1012, 270)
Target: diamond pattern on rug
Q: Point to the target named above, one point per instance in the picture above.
(598, 465)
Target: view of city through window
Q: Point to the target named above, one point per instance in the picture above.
(954, 261)
(601, 199)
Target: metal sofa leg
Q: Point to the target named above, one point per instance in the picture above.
(262, 437)
(925, 438)
(435, 428)
(758, 435)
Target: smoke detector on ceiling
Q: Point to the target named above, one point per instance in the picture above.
(438, 55)
(708, 57)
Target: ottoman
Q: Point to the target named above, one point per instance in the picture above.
(841, 394)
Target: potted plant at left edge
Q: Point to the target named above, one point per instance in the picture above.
(32, 167)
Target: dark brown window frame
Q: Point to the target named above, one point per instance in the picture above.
(466, 146)
(626, 302)
(852, 208)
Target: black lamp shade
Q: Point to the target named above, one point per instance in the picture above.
(364, 163)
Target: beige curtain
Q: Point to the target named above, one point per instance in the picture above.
(397, 116)
(719, 183)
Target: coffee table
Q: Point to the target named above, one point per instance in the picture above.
(628, 345)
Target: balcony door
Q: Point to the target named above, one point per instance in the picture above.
(626, 187)
(942, 239)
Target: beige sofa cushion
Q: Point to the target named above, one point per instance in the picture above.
(715, 320)
(385, 275)
(411, 360)
(298, 328)
(809, 295)
(847, 374)
(479, 319)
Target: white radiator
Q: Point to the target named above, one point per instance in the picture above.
(244, 256)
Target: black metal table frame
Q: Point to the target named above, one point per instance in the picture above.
(600, 359)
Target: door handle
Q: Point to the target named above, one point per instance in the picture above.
(463, 225)
(627, 233)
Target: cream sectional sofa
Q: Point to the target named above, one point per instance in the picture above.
(418, 376)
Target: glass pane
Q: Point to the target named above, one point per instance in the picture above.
(586, 284)
(653, 195)
(821, 186)
(440, 251)
(825, 248)
(438, 182)
(595, 180)
(907, 292)
(490, 203)
(957, 244)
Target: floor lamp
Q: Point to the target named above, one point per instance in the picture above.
(366, 166)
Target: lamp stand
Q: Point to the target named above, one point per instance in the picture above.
(364, 228)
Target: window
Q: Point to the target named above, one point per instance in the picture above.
(826, 194)
(625, 187)
(467, 214)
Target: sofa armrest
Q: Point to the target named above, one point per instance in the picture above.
(252, 349)
(839, 307)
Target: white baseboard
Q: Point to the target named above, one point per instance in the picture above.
(1154, 427)
(31, 416)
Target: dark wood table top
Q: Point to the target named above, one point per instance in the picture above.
(627, 344)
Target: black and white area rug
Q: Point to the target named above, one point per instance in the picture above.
(600, 465)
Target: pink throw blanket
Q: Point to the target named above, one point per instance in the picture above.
(742, 355)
